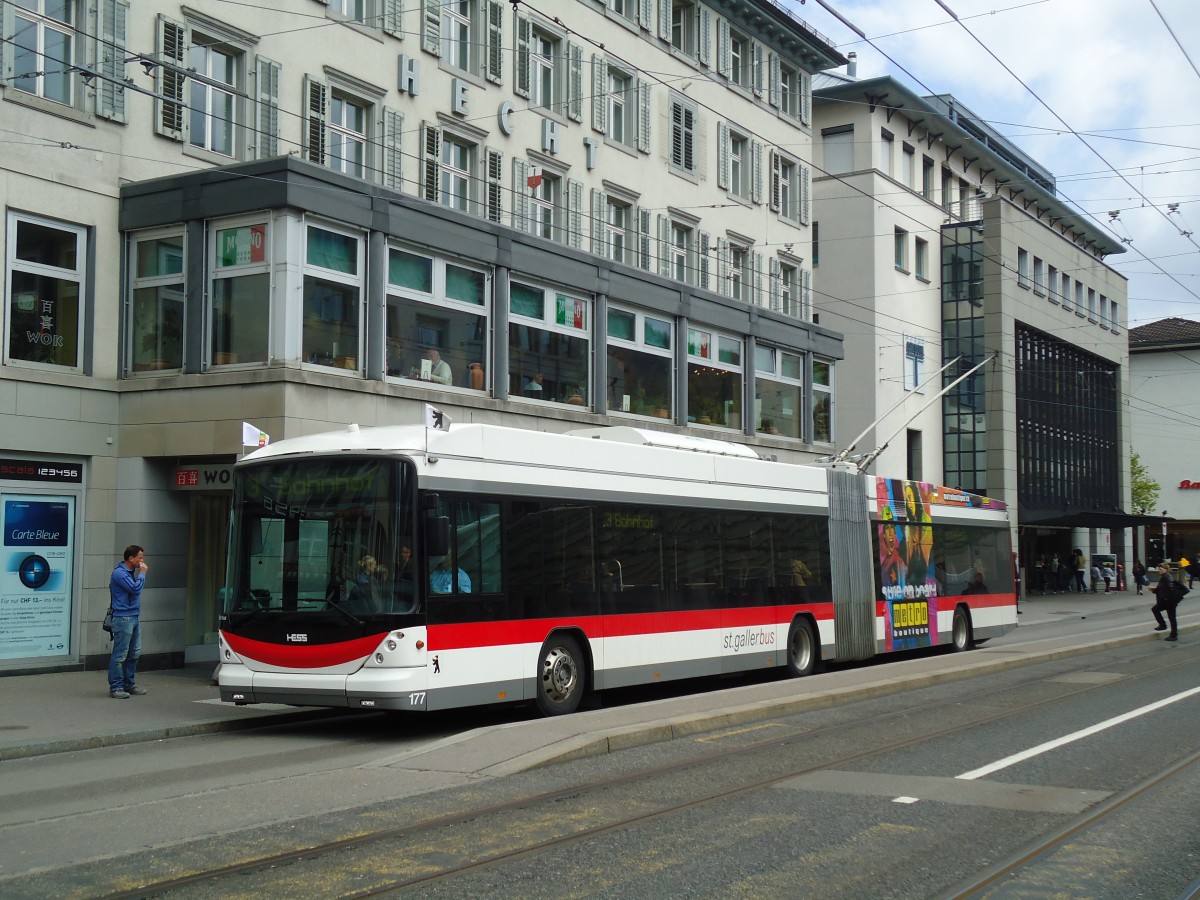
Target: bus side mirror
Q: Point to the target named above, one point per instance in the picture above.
(437, 536)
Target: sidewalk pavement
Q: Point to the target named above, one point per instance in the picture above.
(66, 711)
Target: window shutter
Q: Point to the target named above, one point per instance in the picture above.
(776, 183)
(643, 119)
(805, 200)
(393, 18)
(646, 13)
(574, 82)
(168, 82)
(431, 161)
(431, 26)
(775, 282)
(643, 224)
(521, 58)
(664, 246)
(723, 264)
(705, 241)
(723, 164)
(664, 20)
(756, 171)
(724, 60)
(705, 28)
(495, 188)
(806, 294)
(390, 169)
(599, 231)
(805, 84)
(266, 120)
(316, 101)
(599, 94)
(575, 213)
(775, 79)
(758, 69)
(758, 279)
(495, 38)
(520, 213)
(110, 62)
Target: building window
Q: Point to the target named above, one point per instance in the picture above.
(241, 293)
(901, 249)
(739, 164)
(437, 322)
(947, 189)
(741, 274)
(1039, 276)
(618, 220)
(914, 454)
(619, 106)
(922, 258)
(1091, 304)
(778, 391)
(683, 136)
(548, 346)
(43, 48)
(838, 146)
(456, 34)
(1079, 307)
(914, 363)
(822, 401)
(680, 252)
(789, 297)
(714, 379)
(640, 363)
(543, 81)
(545, 206)
(45, 271)
(789, 91)
(348, 136)
(1114, 322)
(887, 153)
(351, 10)
(1023, 268)
(211, 125)
(684, 17)
(333, 292)
(1065, 290)
(927, 178)
(158, 304)
(1052, 282)
(741, 59)
(908, 172)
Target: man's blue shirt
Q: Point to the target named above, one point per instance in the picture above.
(125, 590)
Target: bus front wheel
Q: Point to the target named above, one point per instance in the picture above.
(961, 630)
(561, 676)
(801, 649)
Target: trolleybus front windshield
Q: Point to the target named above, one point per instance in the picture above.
(319, 535)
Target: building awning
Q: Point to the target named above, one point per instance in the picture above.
(1090, 518)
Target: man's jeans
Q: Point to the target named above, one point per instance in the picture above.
(127, 647)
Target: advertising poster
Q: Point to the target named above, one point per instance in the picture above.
(906, 576)
(35, 584)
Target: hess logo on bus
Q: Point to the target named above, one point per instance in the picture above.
(297, 638)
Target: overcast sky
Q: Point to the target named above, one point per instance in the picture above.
(1109, 71)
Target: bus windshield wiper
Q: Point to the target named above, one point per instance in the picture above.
(246, 614)
(333, 604)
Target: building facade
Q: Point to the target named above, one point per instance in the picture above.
(316, 213)
(941, 244)
(1164, 395)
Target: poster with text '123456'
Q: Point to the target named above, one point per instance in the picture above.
(35, 581)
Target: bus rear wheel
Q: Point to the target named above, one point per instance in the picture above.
(961, 631)
(561, 676)
(801, 649)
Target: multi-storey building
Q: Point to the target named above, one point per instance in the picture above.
(320, 212)
(1164, 401)
(938, 243)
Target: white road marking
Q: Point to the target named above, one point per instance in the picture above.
(1075, 736)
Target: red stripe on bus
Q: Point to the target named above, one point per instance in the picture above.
(531, 631)
(304, 656)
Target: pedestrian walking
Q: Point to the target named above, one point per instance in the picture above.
(1107, 574)
(1079, 566)
(1139, 574)
(125, 594)
(1167, 599)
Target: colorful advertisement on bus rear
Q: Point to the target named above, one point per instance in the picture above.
(906, 576)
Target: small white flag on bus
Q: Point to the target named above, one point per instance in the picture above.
(253, 436)
(436, 419)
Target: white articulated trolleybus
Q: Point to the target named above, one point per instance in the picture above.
(407, 568)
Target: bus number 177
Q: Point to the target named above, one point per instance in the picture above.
(416, 699)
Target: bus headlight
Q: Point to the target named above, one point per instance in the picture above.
(379, 658)
(391, 645)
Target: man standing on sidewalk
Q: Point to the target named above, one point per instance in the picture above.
(125, 589)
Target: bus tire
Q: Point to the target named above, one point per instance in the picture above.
(960, 630)
(801, 649)
(562, 676)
